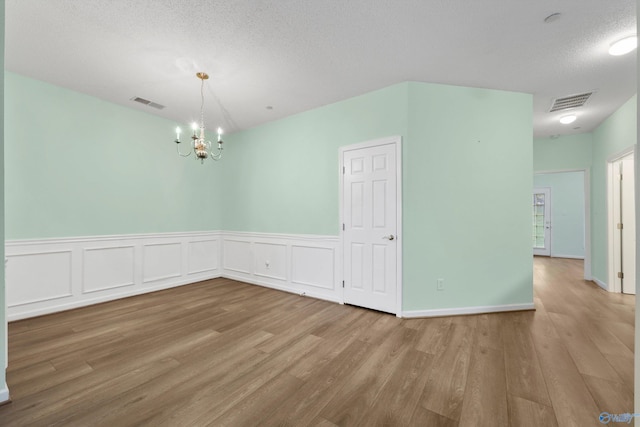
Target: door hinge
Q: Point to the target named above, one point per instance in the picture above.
(620, 275)
(620, 177)
(343, 170)
(620, 226)
(343, 283)
(343, 226)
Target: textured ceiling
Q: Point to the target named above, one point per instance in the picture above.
(295, 55)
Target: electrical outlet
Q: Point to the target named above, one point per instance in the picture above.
(440, 284)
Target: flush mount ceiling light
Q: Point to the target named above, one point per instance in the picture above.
(623, 46)
(565, 120)
(199, 144)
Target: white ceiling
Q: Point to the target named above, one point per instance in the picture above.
(295, 55)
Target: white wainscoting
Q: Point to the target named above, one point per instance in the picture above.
(49, 275)
(302, 264)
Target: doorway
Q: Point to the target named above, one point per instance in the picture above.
(570, 226)
(621, 224)
(370, 187)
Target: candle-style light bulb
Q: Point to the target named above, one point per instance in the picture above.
(178, 133)
(194, 126)
(219, 134)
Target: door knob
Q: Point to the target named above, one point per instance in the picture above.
(390, 237)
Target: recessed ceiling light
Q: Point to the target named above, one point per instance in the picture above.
(565, 120)
(623, 46)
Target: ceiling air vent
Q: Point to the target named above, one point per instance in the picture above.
(572, 101)
(147, 102)
(156, 105)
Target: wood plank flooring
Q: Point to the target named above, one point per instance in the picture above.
(224, 353)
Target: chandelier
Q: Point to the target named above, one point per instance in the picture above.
(201, 147)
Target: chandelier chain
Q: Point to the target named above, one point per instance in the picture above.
(202, 103)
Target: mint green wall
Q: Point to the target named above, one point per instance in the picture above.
(94, 168)
(567, 212)
(564, 152)
(615, 134)
(455, 195)
(467, 189)
(80, 166)
(282, 177)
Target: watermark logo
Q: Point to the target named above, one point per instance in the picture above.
(606, 418)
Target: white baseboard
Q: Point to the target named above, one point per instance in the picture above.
(63, 306)
(467, 310)
(4, 393)
(600, 283)
(288, 289)
(567, 256)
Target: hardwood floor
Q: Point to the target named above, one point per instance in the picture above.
(227, 353)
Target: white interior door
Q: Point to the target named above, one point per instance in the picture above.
(370, 226)
(542, 221)
(624, 248)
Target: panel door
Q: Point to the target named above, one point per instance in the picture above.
(369, 237)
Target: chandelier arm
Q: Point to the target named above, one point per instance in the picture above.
(218, 155)
(183, 155)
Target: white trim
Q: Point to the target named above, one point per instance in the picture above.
(550, 171)
(397, 142)
(611, 270)
(467, 310)
(4, 393)
(567, 256)
(587, 224)
(600, 283)
(610, 261)
(278, 236)
(318, 276)
(304, 266)
(587, 215)
(25, 314)
(104, 238)
(284, 288)
(26, 297)
(622, 153)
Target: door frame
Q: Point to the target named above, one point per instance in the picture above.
(587, 215)
(612, 286)
(397, 142)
